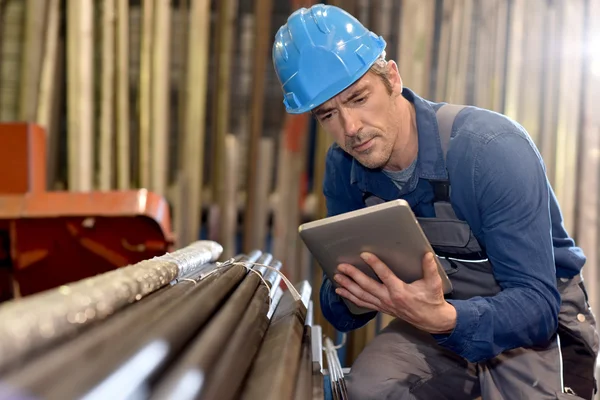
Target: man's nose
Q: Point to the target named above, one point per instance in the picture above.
(352, 124)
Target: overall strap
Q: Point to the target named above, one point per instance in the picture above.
(445, 118)
(445, 115)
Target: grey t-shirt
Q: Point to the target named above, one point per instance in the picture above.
(401, 178)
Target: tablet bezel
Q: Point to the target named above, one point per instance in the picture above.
(384, 241)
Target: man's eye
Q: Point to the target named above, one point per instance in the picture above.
(361, 99)
(326, 116)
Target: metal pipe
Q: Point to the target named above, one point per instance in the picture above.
(273, 277)
(54, 365)
(265, 259)
(205, 349)
(241, 349)
(38, 321)
(304, 384)
(123, 367)
(273, 372)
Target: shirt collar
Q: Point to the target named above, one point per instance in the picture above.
(430, 160)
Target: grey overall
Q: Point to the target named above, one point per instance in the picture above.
(402, 362)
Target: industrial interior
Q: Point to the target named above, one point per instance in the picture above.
(153, 184)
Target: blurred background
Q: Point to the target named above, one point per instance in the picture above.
(179, 98)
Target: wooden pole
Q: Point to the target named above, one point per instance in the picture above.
(48, 87)
(146, 83)
(444, 50)
(80, 94)
(589, 184)
(484, 53)
(32, 59)
(226, 29)
(552, 54)
(452, 75)
(86, 87)
(107, 96)
(243, 73)
(416, 43)
(263, 189)
(73, 101)
(195, 114)
(500, 51)
(182, 189)
(515, 59)
(161, 83)
(46, 91)
(262, 41)
(568, 111)
(530, 74)
(122, 94)
(229, 210)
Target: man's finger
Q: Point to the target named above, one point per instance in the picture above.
(430, 268)
(344, 293)
(383, 272)
(353, 287)
(365, 282)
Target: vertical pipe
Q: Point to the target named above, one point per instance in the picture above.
(86, 97)
(80, 93)
(48, 87)
(229, 211)
(32, 58)
(161, 84)
(500, 51)
(226, 29)
(568, 110)
(515, 59)
(107, 96)
(195, 114)
(416, 44)
(262, 39)
(589, 180)
(73, 101)
(589, 183)
(262, 11)
(122, 94)
(146, 76)
(263, 190)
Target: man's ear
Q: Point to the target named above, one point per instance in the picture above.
(394, 76)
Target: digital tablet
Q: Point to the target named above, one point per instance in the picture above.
(389, 230)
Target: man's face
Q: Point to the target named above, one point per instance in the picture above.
(363, 120)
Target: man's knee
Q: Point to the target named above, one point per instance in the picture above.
(367, 387)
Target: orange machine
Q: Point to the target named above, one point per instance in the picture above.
(49, 238)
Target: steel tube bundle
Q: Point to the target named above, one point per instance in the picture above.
(48, 369)
(273, 374)
(46, 318)
(215, 330)
(223, 349)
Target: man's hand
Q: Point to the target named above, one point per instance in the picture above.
(420, 303)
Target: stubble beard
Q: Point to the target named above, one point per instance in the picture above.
(377, 156)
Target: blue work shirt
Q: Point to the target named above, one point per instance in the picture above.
(499, 187)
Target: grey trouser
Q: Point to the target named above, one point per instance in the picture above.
(405, 363)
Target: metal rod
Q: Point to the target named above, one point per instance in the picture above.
(115, 374)
(241, 349)
(206, 348)
(53, 366)
(40, 320)
(273, 372)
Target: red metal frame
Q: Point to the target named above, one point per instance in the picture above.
(51, 238)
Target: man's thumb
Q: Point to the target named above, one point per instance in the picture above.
(430, 268)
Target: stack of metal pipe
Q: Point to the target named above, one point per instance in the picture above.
(179, 326)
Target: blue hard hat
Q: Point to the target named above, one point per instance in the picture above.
(319, 52)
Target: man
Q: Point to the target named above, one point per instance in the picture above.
(477, 183)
